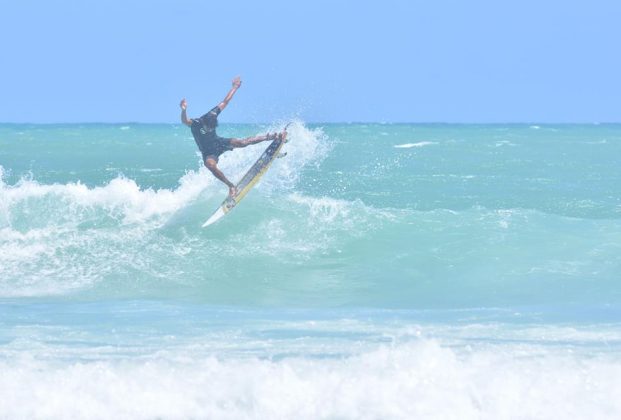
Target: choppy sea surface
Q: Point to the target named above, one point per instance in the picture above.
(377, 271)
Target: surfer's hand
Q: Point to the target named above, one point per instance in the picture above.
(183, 104)
(237, 82)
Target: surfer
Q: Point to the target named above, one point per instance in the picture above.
(210, 144)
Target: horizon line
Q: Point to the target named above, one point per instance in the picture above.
(319, 122)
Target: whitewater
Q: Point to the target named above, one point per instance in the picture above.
(377, 271)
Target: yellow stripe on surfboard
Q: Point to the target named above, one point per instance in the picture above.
(241, 194)
(226, 206)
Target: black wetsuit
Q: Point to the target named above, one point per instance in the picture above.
(204, 132)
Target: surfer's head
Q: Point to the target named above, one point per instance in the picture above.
(210, 120)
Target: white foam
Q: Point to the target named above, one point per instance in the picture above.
(504, 143)
(326, 210)
(421, 379)
(410, 145)
(56, 238)
(319, 224)
(121, 194)
(300, 228)
(304, 147)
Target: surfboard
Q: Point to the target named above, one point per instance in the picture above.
(249, 180)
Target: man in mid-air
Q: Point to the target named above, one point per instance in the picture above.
(210, 144)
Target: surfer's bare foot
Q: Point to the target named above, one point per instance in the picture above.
(232, 191)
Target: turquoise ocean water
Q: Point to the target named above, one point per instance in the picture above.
(377, 271)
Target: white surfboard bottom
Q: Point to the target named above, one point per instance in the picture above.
(219, 214)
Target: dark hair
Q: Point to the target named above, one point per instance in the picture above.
(210, 120)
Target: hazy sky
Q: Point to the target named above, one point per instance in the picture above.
(322, 61)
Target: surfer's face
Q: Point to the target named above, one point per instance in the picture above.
(209, 122)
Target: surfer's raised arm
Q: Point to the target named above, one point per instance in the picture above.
(184, 117)
(236, 84)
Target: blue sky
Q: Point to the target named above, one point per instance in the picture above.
(321, 61)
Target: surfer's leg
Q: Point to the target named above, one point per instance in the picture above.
(237, 143)
(212, 164)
